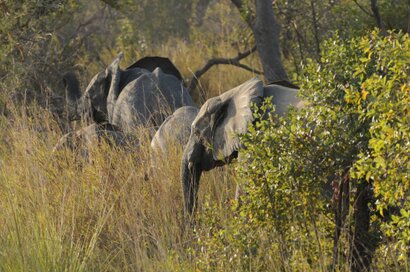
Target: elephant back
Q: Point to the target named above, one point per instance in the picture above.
(149, 99)
(283, 97)
(151, 63)
(129, 75)
(176, 129)
(172, 89)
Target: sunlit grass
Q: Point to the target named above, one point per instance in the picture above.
(117, 210)
(121, 210)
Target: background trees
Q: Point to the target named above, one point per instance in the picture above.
(55, 36)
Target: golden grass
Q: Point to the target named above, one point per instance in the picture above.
(119, 210)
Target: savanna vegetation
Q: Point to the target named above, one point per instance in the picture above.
(326, 188)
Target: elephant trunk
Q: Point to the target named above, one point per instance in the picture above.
(191, 171)
(73, 95)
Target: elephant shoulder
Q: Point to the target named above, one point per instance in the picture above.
(186, 111)
(172, 89)
(135, 89)
(180, 121)
(135, 102)
(283, 97)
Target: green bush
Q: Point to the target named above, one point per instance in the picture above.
(355, 128)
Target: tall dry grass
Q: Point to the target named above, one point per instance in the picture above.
(118, 210)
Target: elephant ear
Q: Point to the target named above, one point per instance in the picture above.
(113, 74)
(72, 95)
(222, 118)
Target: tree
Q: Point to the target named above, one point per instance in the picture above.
(32, 53)
(266, 30)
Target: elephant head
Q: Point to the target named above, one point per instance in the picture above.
(214, 137)
(213, 140)
(72, 94)
(93, 103)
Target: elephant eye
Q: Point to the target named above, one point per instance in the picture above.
(197, 133)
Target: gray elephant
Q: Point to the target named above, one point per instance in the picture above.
(214, 137)
(91, 135)
(138, 95)
(174, 130)
(151, 63)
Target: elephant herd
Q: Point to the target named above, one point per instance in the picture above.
(151, 94)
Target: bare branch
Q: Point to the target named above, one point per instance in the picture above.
(216, 61)
(89, 21)
(375, 13)
(266, 31)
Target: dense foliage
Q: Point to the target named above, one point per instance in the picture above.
(355, 128)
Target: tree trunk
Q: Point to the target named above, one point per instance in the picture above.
(341, 189)
(376, 14)
(315, 28)
(72, 95)
(362, 246)
(266, 31)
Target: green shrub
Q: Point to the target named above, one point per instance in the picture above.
(355, 128)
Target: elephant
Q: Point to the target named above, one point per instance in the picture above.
(72, 94)
(85, 137)
(174, 130)
(214, 137)
(151, 63)
(138, 95)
